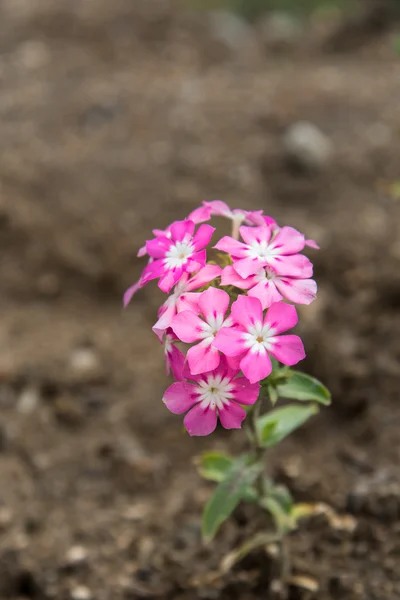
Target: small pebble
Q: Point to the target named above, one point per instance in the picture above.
(81, 592)
(76, 555)
(306, 146)
(28, 401)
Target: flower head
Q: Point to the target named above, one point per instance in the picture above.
(254, 337)
(208, 396)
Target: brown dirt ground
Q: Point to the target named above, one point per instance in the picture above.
(115, 119)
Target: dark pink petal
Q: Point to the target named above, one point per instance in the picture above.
(232, 247)
(231, 416)
(196, 261)
(226, 368)
(245, 392)
(182, 229)
(288, 349)
(281, 317)
(153, 270)
(202, 358)
(256, 365)
(247, 311)
(248, 266)
(200, 215)
(219, 208)
(187, 326)
(169, 278)
(175, 362)
(230, 341)
(179, 397)
(202, 236)
(255, 234)
(230, 277)
(130, 292)
(234, 361)
(200, 421)
(204, 276)
(288, 241)
(266, 292)
(270, 222)
(299, 291)
(157, 247)
(213, 302)
(312, 244)
(296, 265)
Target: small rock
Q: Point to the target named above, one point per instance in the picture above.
(85, 366)
(307, 147)
(232, 33)
(76, 556)
(81, 592)
(6, 516)
(28, 401)
(280, 31)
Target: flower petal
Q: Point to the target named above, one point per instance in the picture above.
(256, 365)
(202, 236)
(153, 270)
(131, 291)
(187, 326)
(288, 241)
(175, 362)
(232, 247)
(255, 234)
(200, 214)
(169, 278)
(188, 301)
(245, 392)
(230, 277)
(312, 244)
(213, 302)
(196, 261)
(167, 313)
(204, 276)
(266, 292)
(248, 266)
(179, 397)
(281, 317)
(229, 340)
(202, 358)
(200, 421)
(219, 208)
(231, 416)
(288, 349)
(158, 246)
(297, 265)
(299, 291)
(182, 229)
(247, 311)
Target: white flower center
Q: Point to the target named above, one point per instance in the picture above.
(212, 325)
(215, 392)
(178, 255)
(260, 250)
(264, 274)
(257, 337)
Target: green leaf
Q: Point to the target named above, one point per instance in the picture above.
(214, 466)
(300, 386)
(234, 488)
(280, 422)
(283, 520)
(273, 394)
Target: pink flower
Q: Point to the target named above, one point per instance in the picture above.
(238, 215)
(270, 222)
(218, 393)
(187, 325)
(254, 337)
(269, 287)
(180, 253)
(174, 358)
(262, 250)
(183, 298)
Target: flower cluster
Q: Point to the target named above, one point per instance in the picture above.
(231, 311)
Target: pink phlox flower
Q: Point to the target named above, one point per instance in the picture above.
(183, 297)
(174, 358)
(190, 328)
(182, 252)
(254, 337)
(269, 287)
(262, 249)
(270, 222)
(209, 396)
(238, 215)
(157, 233)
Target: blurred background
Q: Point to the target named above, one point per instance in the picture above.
(118, 116)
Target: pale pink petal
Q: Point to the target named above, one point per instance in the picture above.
(181, 230)
(266, 292)
(157, 247)
(296, 265)
(288, 349)
(187, 326)
(312, 244)
(213, 302)
(256, 365)
(219, 208)
(232, 247)
(230, 341)
(200, 421)
(270, 222)
(200, 215)
(179, 397)
(299, 291)
(281, 317)
(142, 251)
(247, 311)
(231, 416)
(188, 301)
(202, 358)
(162, 232)
(175, 362)
(169, 278)
(288, 241)
(258, 234)
(248, 266)
(255, 217)
(230, 277)
(131, 291)
(202, 236)
(204, 276)
(167, 313)
(245, 392)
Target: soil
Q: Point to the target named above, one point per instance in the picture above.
(117, 117)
